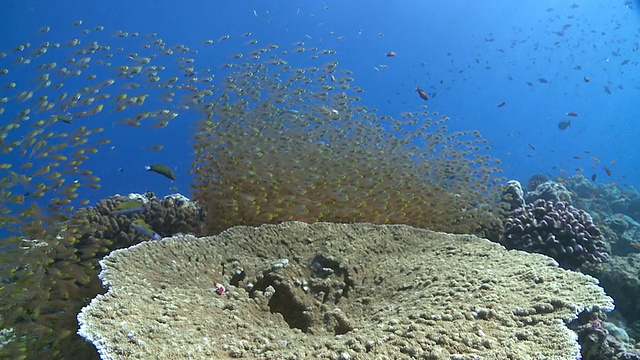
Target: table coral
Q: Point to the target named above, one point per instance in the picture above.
(326, 290)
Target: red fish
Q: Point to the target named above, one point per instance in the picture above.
(391, 54)
(607, 170)
(422, 93)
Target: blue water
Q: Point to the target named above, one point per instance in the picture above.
(469, 56)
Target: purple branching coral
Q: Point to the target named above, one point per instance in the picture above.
(558, 230)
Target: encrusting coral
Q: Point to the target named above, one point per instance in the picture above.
(548, 190)
(338, 291)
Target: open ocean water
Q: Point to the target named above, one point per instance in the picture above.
(470, 56)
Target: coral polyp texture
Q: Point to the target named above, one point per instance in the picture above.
(336, 291)
(556, 229)
(548, 190)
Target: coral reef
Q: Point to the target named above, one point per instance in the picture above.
(556, 229)
(549, 190)
(612, 208)
(620, 279)
(609, 205)
(513, 196)
(602, 340)
(603, 200)
(344, 291)
(623, 234)
(45, 282)
(276, 143)
(170, 215)
(535, 181)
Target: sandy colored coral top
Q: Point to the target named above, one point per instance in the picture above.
(325, 290)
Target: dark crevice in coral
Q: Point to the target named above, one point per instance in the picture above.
(284, 302)
(341, 328)
(348, 285)
(324, 266)
(237, 278)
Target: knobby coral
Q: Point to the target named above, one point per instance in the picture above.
(556, 229)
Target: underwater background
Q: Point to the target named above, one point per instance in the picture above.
(552, 88)
(469, 56)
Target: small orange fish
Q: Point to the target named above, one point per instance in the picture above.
(501, 104)
(422, 93)
(607, 170)
(563, 171)
(572, 114)
(613, 162)
(578, 169)
(391, 54)
(595, 159)
(636, 245)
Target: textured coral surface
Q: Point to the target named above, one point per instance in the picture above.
(335, 291)
(558, 230)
